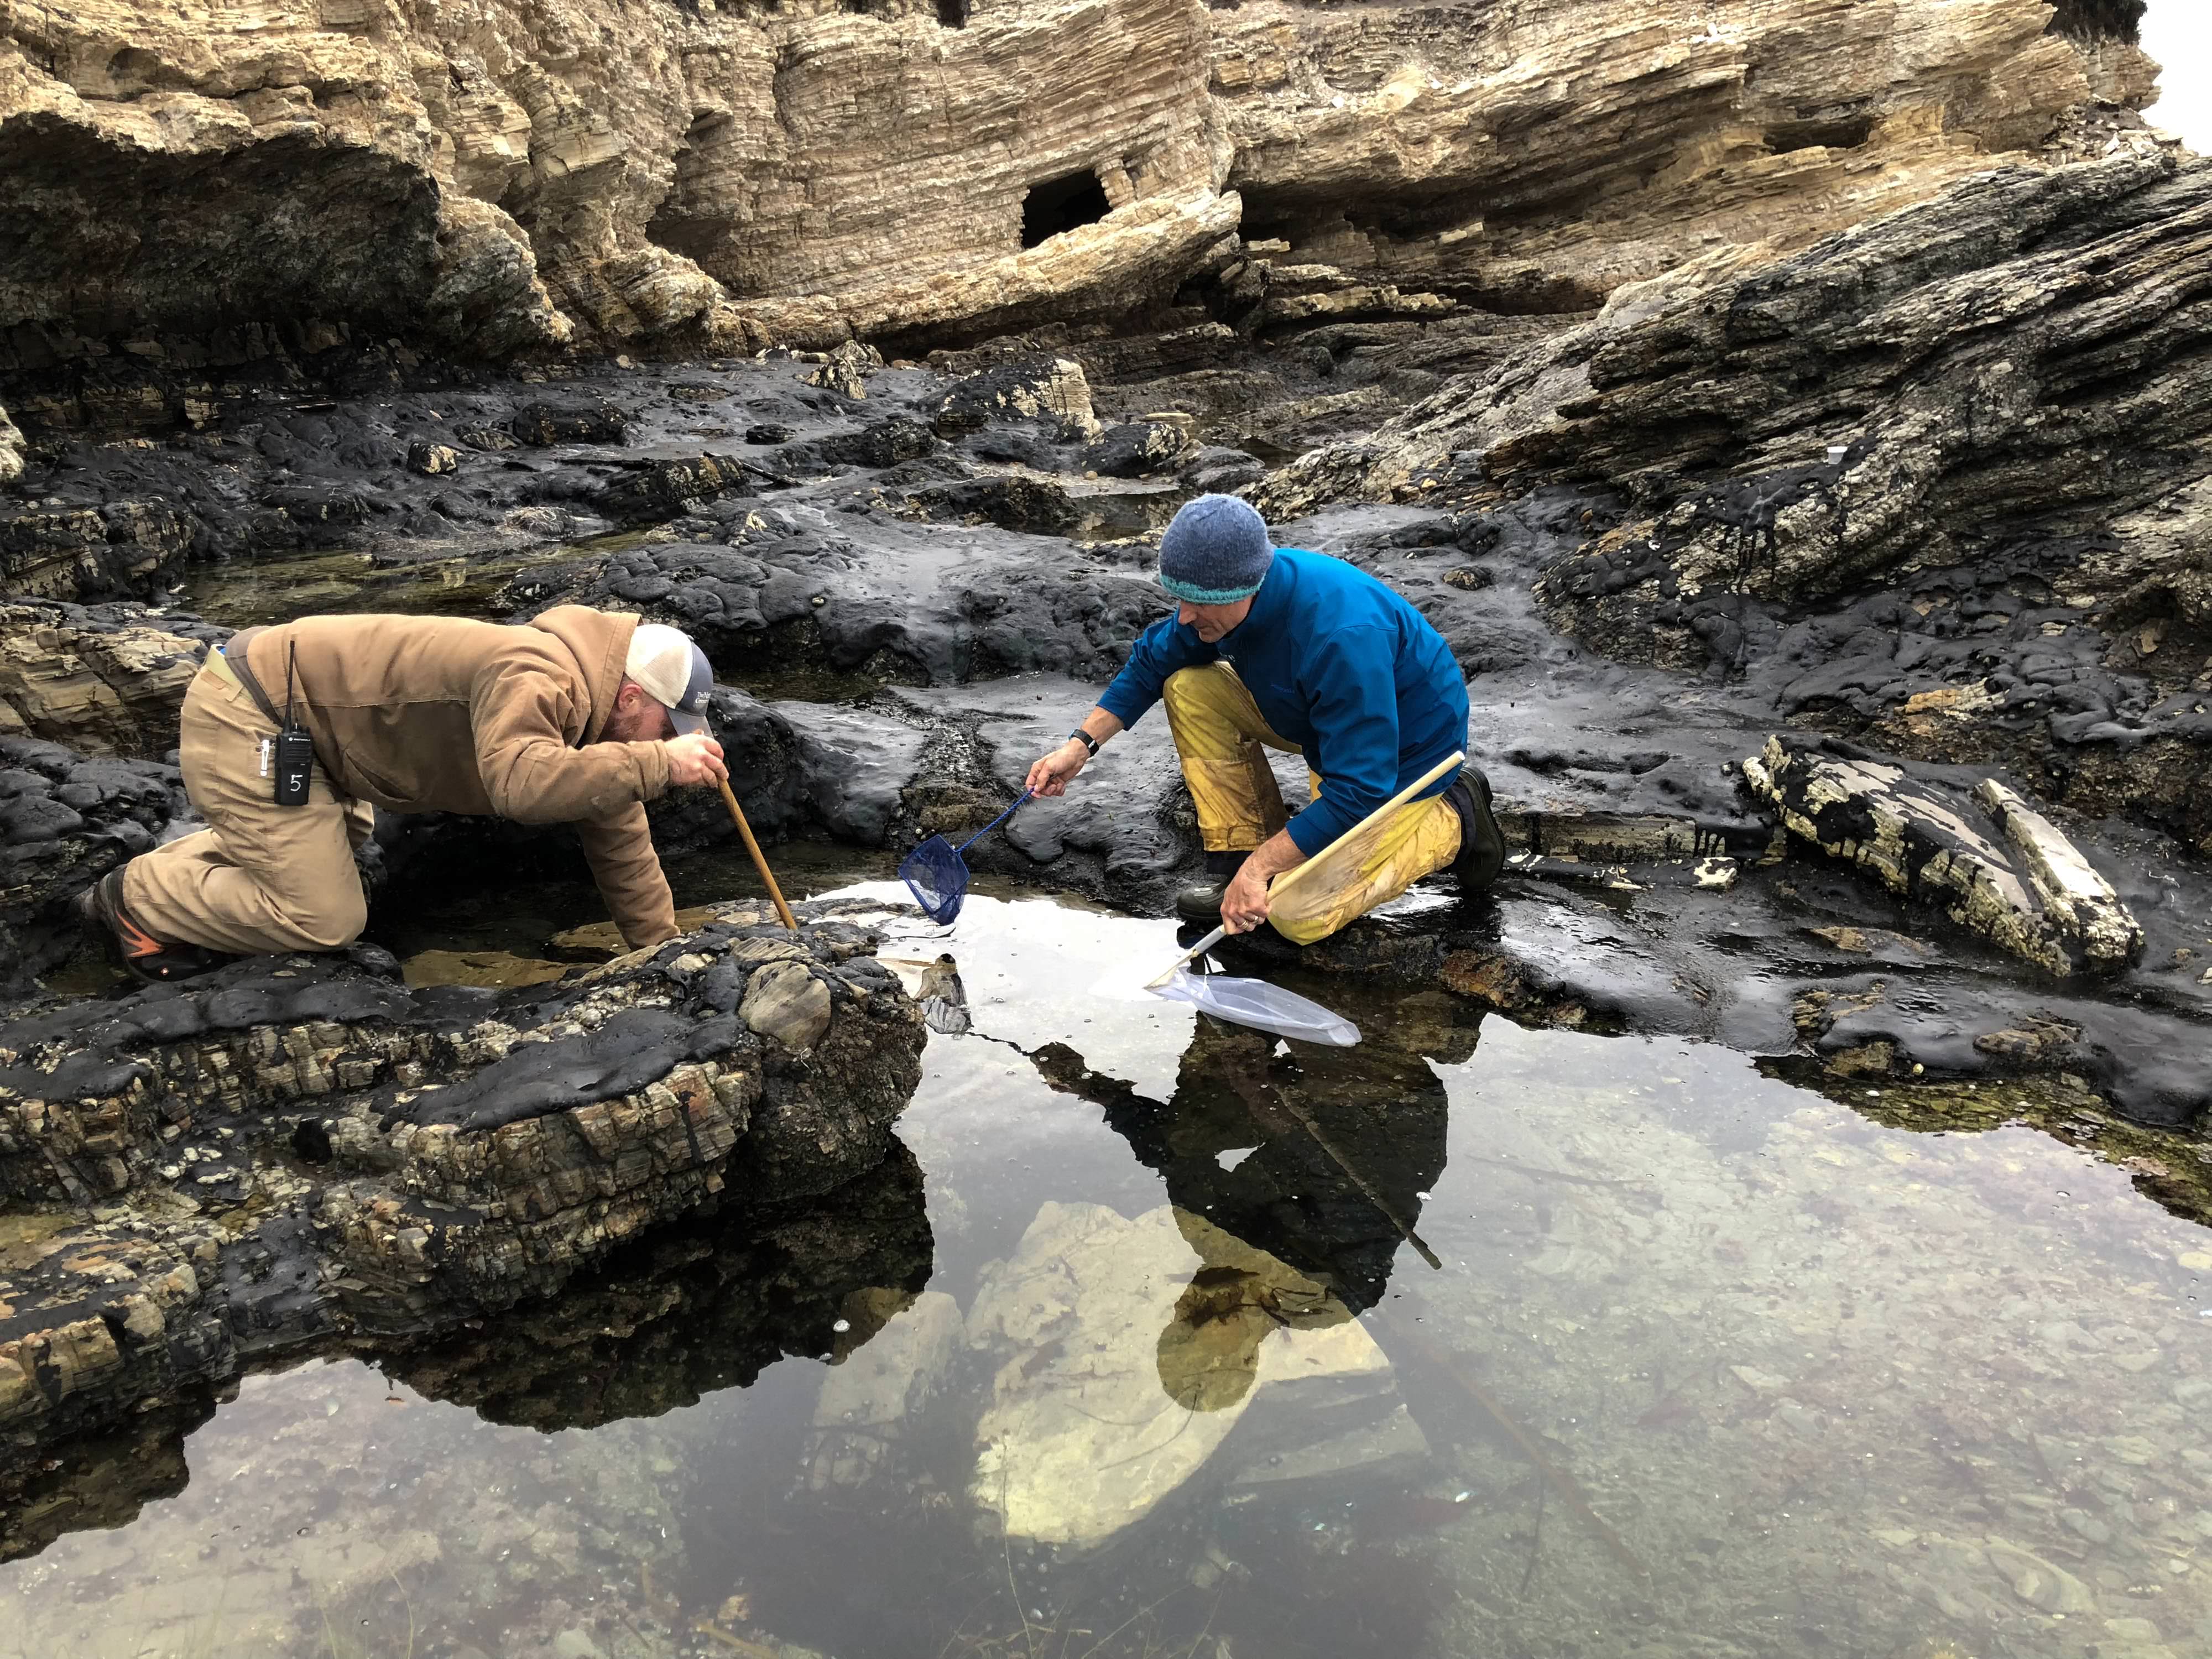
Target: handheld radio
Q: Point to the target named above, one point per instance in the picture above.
(295, 749)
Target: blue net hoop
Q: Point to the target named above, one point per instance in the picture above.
(936, 874)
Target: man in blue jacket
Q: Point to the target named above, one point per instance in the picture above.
(1296, 651)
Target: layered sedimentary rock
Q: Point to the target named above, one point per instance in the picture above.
(1535, 157)
(410, 1158)
(2036, 896)
(203, 192)
(1993, 405)
(106, 680)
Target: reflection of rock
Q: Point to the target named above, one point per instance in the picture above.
(1094, 1319)
(408, 1159)
(101, 1480)
(2042, 899)
(870, 1400)
(701, 1305)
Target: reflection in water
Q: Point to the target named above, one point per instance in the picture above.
(1322, 1156)
(701, 1306)
(1832, 1388)
(696, 1308)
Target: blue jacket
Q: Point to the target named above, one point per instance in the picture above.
(1338, 664)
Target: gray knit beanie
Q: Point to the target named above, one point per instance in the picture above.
(1216, 552)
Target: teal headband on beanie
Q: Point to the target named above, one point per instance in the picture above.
(1216, 552)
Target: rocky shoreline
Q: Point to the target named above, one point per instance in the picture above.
(304, 1155)
(1828, 564)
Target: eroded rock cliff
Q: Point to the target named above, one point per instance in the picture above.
(218, 188)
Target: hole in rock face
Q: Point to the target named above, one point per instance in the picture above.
(1833, 132)
(1061, 205)
(2099, 20)
(310, 1141)
(953, 13)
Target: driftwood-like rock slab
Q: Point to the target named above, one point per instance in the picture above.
(2041, 901)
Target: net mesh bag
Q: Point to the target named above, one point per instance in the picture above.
(1255, 1002)
(938, 878)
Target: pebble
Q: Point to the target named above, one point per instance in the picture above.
(2087, 1525)
(2037, 1582)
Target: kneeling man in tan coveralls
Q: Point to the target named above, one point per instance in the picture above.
(579, 717)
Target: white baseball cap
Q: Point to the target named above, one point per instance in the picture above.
(673, 672)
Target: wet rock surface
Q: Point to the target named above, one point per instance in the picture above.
(66, 819)
(297, 1151)
(895, 651)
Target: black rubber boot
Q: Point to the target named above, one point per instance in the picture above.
(1201, 902)
(1482, 842)
(100, 909)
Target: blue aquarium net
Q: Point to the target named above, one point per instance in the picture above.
(937, 878)
(936, 874)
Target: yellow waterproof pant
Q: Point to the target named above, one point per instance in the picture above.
(1219, 734)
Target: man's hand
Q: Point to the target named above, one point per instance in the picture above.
(1050, 775)
(1244, 905)
(695, 758)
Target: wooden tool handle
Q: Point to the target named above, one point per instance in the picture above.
(760, 862)
(1283, 883)
(1290, 879)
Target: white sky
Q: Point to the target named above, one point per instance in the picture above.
(2178, 34)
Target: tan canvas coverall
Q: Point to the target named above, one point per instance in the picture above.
(414, 714)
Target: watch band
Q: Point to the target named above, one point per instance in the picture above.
(1086, 740)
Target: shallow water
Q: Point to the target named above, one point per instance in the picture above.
(251, 591)
(1796, 1383)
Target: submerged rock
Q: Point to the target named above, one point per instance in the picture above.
(871, 1399)
(311, 1149)
(1128, 1352)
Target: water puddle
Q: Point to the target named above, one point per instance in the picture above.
(248, 591)
(1708, 1366)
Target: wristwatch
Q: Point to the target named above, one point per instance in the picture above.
(1086, 741)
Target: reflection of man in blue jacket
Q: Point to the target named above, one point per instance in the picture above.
(1299, 652)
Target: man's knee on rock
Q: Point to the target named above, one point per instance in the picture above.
(332, 925)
